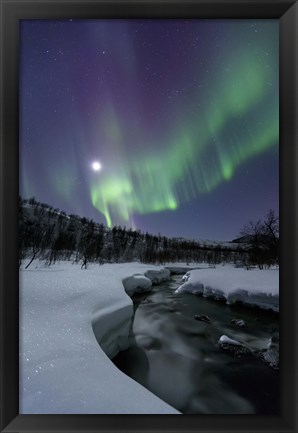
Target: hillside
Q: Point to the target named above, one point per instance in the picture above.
(51, 235)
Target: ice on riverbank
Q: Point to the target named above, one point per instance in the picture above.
(258, 288)
(63, 369)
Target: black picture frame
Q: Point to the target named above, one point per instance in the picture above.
(11, 12)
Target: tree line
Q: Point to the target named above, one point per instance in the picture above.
(51, 235)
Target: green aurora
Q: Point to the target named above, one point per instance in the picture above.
(178, 113)
(180, 170)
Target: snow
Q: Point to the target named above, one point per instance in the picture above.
(157, 276)
(139, 283)
(179, 270)
(254, 287)
(72, 321)
(65, 312)
(136, 283)
(227, 340)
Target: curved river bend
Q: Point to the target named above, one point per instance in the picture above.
(179, 359)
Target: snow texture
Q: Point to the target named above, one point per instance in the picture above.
(63, 369)
(258, 288)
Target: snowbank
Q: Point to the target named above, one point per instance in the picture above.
(157, 276)
(136, 284)
(179, 270)
(252, 287)
(139, 283)
(63, 369)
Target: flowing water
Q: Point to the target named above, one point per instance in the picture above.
(179, 359)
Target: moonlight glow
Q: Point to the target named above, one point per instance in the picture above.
(96, 166)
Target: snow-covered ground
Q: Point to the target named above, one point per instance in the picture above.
(253, 287)
(72, 321)
(63, 369)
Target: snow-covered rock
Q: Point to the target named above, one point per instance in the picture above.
(63, 369)
(251, 287)
(274, 341)
(157, 276)
(271, 357)
(233, 346)
(136, 284)
(139, 283)
(238, 322)
(202, 318)
(227, 340)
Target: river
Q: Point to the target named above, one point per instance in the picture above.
(179, 359)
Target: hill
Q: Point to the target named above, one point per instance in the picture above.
(51, 234)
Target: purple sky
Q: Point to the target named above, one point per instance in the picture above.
(181, 114)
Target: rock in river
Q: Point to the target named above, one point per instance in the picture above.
(238, 322)
(202, 318)
(235, 347)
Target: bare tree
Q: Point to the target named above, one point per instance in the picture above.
(262, 238)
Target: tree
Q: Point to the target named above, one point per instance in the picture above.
(271, 226)
(262, 238)
(87, 243)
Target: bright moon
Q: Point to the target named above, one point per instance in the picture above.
(96, 166)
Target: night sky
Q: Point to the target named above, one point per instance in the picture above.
(181, 117)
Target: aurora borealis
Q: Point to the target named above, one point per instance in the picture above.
(182, 116)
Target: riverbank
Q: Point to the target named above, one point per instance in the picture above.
(253, 287)
(63, 369)
(63, 311)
